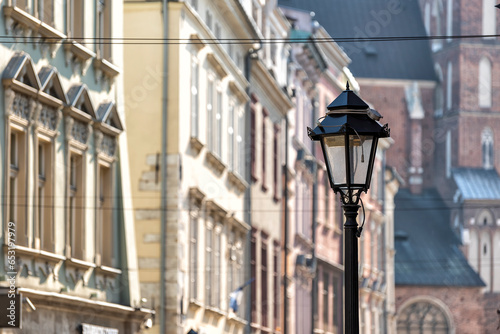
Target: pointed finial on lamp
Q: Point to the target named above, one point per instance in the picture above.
(347, 86)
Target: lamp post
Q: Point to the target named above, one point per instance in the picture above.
(349, 134)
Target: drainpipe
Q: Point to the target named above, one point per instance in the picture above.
(251, 54)
(314, 269)
(163, 213)
(286, 218)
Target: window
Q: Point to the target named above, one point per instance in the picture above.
(194, 97)
(44, 226)
(422, 317)
(209, 263)
(326, 185)
(104, 29)
(449, 19)
(449, 85)
(276, 166)
(487, 148)
(276, 285)
(22, 4)
(46, 11)
(217, 266)
(484, 83)
(218, 124)
(105, 215)
(210, 112)
(253, 273)
(326, 300)
(265, 114)
(209, 20)
(253, 143)
(264, 301)
(336, 308)
(193, 258)
(242, 151)
(76, 206)
(489, 18)
(17, 186)
(75, 20)
(448, 154)
(230, 135)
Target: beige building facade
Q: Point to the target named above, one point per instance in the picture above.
(68, 252)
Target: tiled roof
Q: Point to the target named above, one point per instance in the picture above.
(374, 19)
(427, 250)
(477, 183)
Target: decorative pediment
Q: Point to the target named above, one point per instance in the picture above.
(109, 119)
(20, 74)
(50, 84)
(80, 104)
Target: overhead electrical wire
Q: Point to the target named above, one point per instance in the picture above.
(239, 41)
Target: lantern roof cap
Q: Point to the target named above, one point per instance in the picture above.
(348, 100)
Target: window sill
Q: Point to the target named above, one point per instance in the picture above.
(215, 162)
(78, 51)
(109, 69)
(237, 181)
(215, 310)
(196, 145)
(37, 254)
(108, 271)
(79, 264)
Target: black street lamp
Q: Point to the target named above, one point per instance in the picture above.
(349, 134)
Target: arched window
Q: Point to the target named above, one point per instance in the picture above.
(484, 83)
(487, 148)
(422, 317)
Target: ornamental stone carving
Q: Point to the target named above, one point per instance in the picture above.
(21, 106)
(48, 118)
(80, 132)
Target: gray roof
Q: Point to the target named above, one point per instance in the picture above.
(477, 183)
(375, 19)
(427, 250)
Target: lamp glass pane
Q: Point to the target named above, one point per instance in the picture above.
(360, 149)
(334, 147)
(359, 158)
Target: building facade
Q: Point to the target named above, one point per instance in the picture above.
(67, 228)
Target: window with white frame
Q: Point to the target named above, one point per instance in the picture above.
(105, 214)
(209, 236)
(76, 205)
(210, 111)
(193, 256)
(231, 154)
(17, 186)
(217, 266)
(240, 143)
(46, 11)
(194, 97)
(218, 123)
(44, 216)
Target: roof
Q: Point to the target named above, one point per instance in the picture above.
(477, 183)
(427, 250)
(376, 18)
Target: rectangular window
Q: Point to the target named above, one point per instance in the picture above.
(230, 136)
(336, 309)
(264, 293)
(218, 125)
(253, 273)
(264, 151)
(276, 286)
(106, 215)
(193, 258)
(46, 11)
(104, 29)
(44, 226)
(253, 147)
(210, 114)
(217, 267)
(326, 309)
(76, 206)
(194, 97)
(242, 151)
(75, 20)
(17, 186)
(22, 4)
(276, 162)
(208, 21)
(208, 266)
(326, 185)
